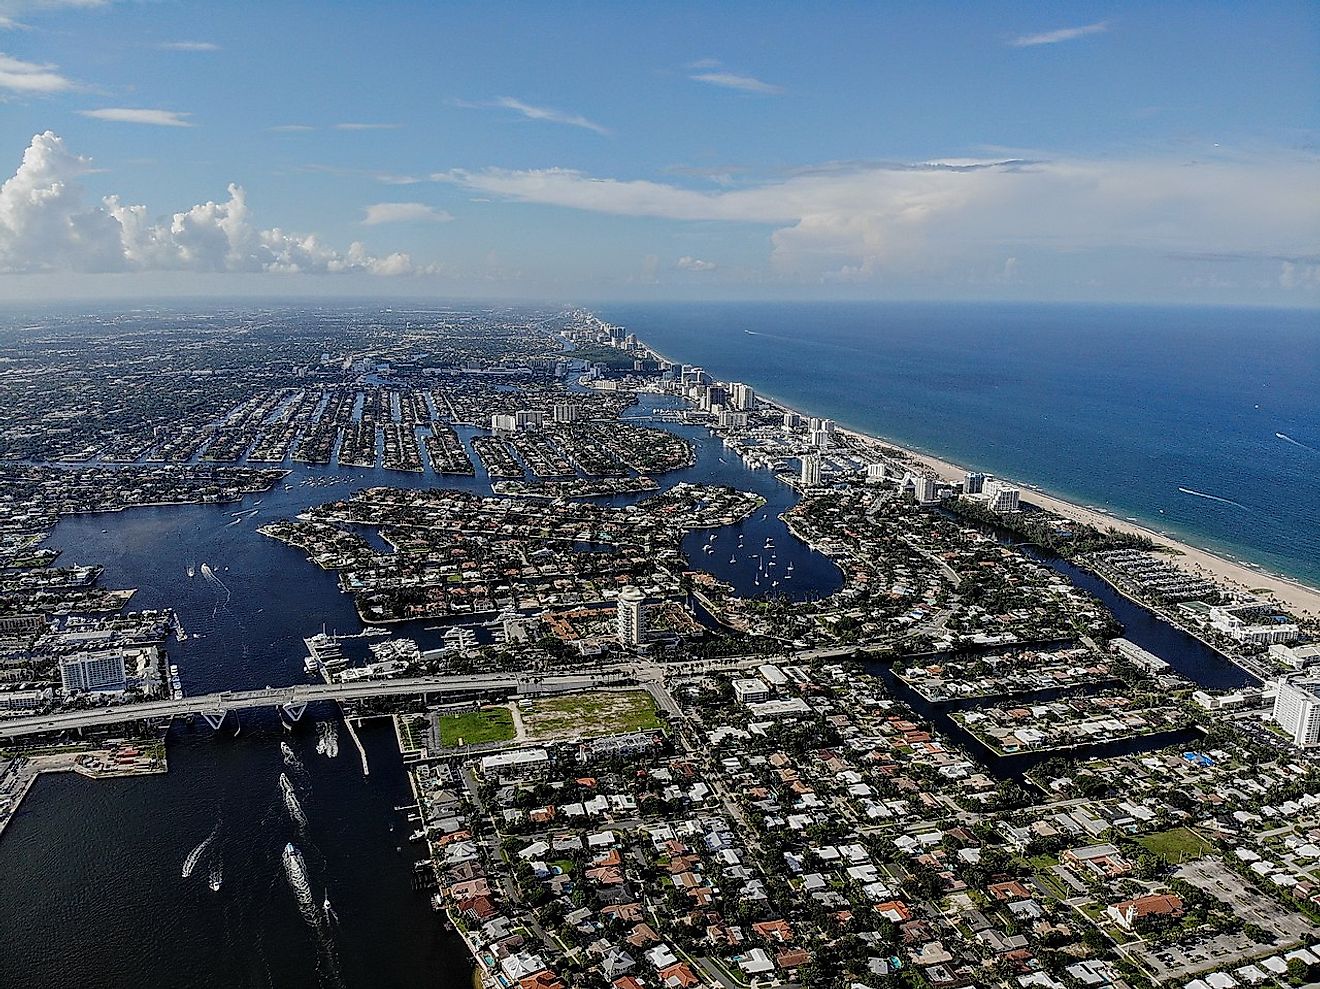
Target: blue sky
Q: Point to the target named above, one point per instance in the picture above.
(608, 150)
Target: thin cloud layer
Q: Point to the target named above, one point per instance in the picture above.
(532, 112)
(18, 76)
(732, 80)
(46, 226)
(1061, 34)
(865, 221)
(403, 213)
(134, 115)
(188, 46)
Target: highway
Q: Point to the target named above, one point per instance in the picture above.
(296, 696)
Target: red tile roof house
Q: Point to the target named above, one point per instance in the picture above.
(679, 976)
(1128, 912)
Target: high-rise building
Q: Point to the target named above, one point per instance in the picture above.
(632, 616)
(93, 673)
(713, 396)
(528, 418)
(566, 412)
(733, 420)
(875, 472)
(811, 470)
(973, 483)
(1297, 709)
(503, 422)
(792, 420)
(820, 439)
(744, 397)
(1001, 497)
(924, 489)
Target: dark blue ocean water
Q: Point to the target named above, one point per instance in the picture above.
(1116, 407)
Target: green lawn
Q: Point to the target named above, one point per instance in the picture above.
(579, 715)
(1177, 845)
(490, 724)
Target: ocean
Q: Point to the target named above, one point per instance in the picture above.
(1200, 422)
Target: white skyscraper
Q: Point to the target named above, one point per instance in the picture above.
(632, 616)
(744, 397)
(924, 489)
(566, 412)
(1297, 709)
(811, 471)
(1001, 497)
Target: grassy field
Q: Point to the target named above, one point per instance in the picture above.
(586, 715)
(490, 724)
(1177, 845)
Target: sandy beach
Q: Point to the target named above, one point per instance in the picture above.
(1293, 595)
(1301, 599)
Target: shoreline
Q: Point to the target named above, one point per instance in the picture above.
(1300, 598)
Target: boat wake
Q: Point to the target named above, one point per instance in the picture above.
(209, 574)
(327, 739)
(1288, 439)
(318, 917)
(295, 869)
(217, 875)
(291, 803)
(195, 856)
(290, 757)
(1210, 497)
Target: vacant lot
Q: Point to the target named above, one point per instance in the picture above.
(490, 724)
(588, 715)
(1176, 846)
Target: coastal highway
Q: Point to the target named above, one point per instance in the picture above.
(296, 696)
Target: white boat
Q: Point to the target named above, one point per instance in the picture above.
(217, 875)
(192, 570)
(291, 802)
(327, 909)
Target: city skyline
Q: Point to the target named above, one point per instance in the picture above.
(1078, 152)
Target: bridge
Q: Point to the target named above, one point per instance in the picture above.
(293, 700)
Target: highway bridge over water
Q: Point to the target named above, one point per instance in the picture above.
(293, 700)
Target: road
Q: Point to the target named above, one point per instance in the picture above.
(294, 697)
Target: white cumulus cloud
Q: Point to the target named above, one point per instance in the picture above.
(46, 226)
(687, 263)
(134, 115)
(403, 213)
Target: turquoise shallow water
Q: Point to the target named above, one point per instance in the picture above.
(1116, 407)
